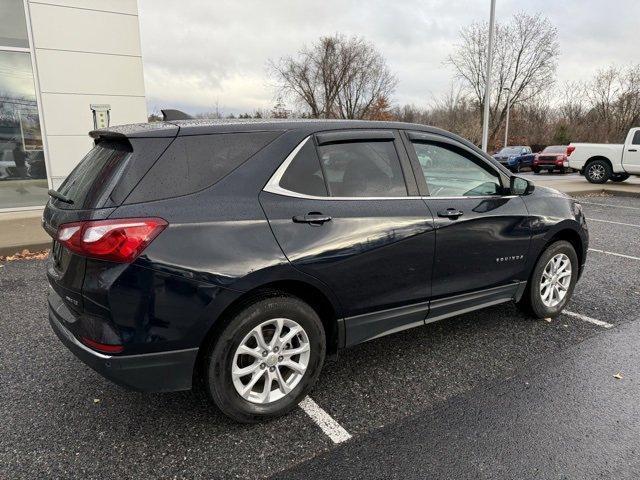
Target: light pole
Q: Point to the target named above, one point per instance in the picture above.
(487, 87)
(506, 127)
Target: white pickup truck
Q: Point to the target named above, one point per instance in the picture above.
(600, 162)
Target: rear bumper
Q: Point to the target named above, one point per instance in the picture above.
(150, 372)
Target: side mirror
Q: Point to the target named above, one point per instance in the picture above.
(520, 186)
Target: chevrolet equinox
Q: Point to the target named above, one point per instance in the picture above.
(234, 256)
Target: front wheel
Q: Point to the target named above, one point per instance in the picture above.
(552, 281)
(266, 359)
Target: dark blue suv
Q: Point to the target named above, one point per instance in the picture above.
(514, 158)
(233, 256)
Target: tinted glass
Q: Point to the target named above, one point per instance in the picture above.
(304, 174)
(450, 173)
(363, 169)
(195, 162)
(13, 26)
(23, 173)
(636, 138)
(555, 149)
(510, 151)
(90, 183)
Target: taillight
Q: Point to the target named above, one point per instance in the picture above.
(120, 240)
(102, 347)
(570, 150)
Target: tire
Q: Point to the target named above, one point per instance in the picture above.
(562, 171)
(619, 177)
(219, 382)
(597, 171)
(535, 170)
(532, 301)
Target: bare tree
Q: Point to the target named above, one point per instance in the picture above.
(614, 97)
(337, 77)
(525, 56)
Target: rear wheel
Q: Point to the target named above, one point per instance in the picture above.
(266, 359)
(619, 177)
(598, 171)
(552, 281)
(535, 169)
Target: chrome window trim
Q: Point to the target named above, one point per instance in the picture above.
(273, 186)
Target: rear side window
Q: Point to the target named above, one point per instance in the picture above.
(90, 183)
(304, 174)
(636, 138)
(362, 169)
(193, 163)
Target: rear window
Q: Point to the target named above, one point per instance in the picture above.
(195, 162)
(90, 183)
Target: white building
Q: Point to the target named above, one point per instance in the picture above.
(65, 66)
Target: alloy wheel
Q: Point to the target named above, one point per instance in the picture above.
(555, 281)
(596, 172)
(271, 360)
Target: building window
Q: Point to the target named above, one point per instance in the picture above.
(23, 175)
(13, 26)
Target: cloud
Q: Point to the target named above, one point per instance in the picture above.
(201, 53)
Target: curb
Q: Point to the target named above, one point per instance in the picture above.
(601, 191)
(32, 247)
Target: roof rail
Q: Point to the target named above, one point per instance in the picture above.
(169, 114)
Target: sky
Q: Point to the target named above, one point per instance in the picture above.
(203, 55)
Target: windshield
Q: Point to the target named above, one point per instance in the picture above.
(555, 149)
(510, 151)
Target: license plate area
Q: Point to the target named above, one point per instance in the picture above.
(56, 253)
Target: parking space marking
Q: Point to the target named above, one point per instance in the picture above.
(329, 426)
(606, 205)
(584, 318)
(614, 253)
(609, 221)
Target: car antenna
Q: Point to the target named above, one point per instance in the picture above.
(170, 114)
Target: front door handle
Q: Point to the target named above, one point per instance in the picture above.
(313, 218)
(451, 213)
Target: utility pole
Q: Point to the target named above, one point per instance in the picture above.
(487, 87)
(506, 127)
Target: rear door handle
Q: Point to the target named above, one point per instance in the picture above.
(312, 218)
(633, 149)
(451, 213)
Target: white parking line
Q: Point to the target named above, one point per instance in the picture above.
(613, 206)
(328, 425)
(614, 253)
(584, 318)
(609, 221)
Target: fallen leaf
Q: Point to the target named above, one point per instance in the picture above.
(96, 400)
(25, 255)
(547, 319)
(618, 376)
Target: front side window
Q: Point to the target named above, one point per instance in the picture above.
(451, 173)
(362, 169)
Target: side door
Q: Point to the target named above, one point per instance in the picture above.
(482, 231)
(345, 208)
(631, 155)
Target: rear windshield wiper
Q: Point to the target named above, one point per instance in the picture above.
(60, 196)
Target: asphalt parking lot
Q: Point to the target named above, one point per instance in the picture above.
(59, 419)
